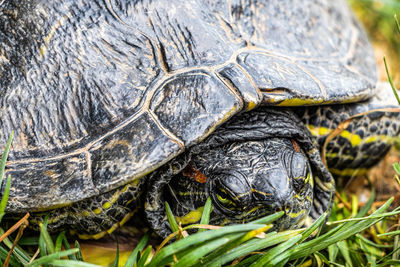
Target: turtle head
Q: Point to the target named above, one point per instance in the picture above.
(246, 191)
(249, 170)
(245, 181)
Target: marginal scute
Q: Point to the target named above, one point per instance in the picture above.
(351, 86)
(250, 94)
(321, 37)
(51, 183)
(129, 153)
(270, 72)
(193, 104)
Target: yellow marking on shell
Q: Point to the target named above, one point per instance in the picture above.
(299, 102)
(348, 172)
(192, 217)
(134, 183)
(251, 105)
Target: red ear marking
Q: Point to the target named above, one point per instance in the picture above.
(295, 145)
(191, 171)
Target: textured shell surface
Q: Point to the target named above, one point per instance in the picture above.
(100, 93)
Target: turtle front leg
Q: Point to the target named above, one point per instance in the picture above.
(355, 137)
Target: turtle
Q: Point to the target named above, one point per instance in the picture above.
(120, 106)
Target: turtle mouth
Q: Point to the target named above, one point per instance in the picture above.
(293, 217)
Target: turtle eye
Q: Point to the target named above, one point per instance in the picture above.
(224, 200)
(224, 197)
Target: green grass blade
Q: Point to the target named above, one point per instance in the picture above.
(42, 246)
(393, 233)
(79, 253)
(46, 236)
(171, 218)
(47, 259)
(255, 244)
(389, 263)
(391, 81)
(307, 248)
(13, 261)
(369, 242)
(205, 217)
(268, 219)
(29, 241)
(144, 256)
(333, 252)
(234, 243)
(67, 246)
(4, 198)
(317, 223)
(192, 257)
(59, 241)
(18, 252)
(396, 167)
(199, 237)
(71, 263)
(276, 254)
(322, 257)
(5, 155)
(344, 250)
(6, 190)
(116, 261)
(397, 23)
(246, 262)
(139, 247)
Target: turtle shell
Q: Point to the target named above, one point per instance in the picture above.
(100, 93)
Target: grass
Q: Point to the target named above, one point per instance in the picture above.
(355, 235)
(352, 237)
